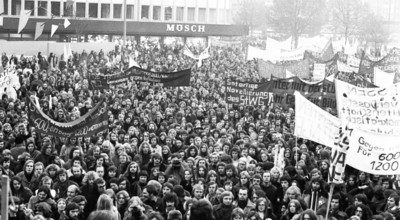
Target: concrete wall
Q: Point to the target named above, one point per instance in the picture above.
(30, 48)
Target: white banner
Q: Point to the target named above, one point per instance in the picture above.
(374, 153)
(274, 56)
(319, 71)
(374, 109)
(382, 78)
(346, 68)
(313, 123)
(338, 156)
(353, 61)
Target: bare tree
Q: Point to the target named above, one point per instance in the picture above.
(251, 13)
(347, 16)
(373, 31)
(296, 17)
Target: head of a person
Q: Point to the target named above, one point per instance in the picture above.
(238, 214)
(393, 200)
(102, 215)
(201, 209)
(72, 211)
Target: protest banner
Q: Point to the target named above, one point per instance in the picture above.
(375, 109)
(300, 68)
(313, 123)
(9, 83)
(382, 78)
(354, 79)
(243, 93)
(353, 61)
(319, 71)
(331, 65)
(136, 74)
(374, 153)
(93, 122)
(338, 158)
(390, 63)
(321, 93)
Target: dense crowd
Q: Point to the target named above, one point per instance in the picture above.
(169, 153)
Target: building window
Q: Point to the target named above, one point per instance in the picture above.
(56, 8)
(190, 14)
(221, 16)
(105, 10)
(202, 15)
(168, 13)
(5, 4)
(15, 7)
(213, 15)
(42, 9)
(117, 10)
(130, 10)
(179, 13)
(145, 12)
(156, 13)
(80, 10)
(68, 10)
(93, 10)
(29, 5)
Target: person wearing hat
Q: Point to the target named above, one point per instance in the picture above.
(223, 210)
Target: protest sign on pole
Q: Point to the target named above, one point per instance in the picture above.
(338, 157)
(374, 153)
(319, 71)
(374, 109)
(313, 123)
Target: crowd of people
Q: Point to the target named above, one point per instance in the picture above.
(169, 153)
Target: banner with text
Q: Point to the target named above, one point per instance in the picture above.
(354, 79)
(300, 68)
(93, 122)
(313, 123)
(320, 93)
(338, 156)
(172, 79)
(243, 93)
(374, 153)
(374, 109)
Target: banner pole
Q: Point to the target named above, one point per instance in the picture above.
(296, 150)
(329, 201)
(5, 185)
(226, 95)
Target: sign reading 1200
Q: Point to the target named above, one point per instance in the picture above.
(186, 27)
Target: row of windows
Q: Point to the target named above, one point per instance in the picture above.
(103, 10)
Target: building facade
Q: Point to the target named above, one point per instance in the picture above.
(101, 20)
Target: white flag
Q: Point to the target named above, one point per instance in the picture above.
(23, 19)
(53, 29)
(132, 62)
(66, 23)
(39, 29)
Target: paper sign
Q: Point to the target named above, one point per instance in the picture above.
(374, 109)
(313, 123)
(374, 153)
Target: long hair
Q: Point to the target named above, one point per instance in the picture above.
(103, 215)
(104, 202)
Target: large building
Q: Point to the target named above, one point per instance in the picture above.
(102, 20)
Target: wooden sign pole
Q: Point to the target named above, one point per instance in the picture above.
(5, 185)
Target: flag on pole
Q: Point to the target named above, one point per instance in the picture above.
(66, 23)
(23, 19)
(69, 50)
(132, 62)
(65, 54)
(39, 29)
(54, 28)
(327, 52)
